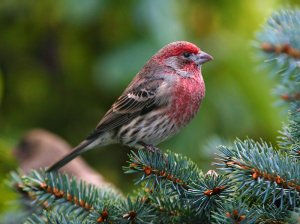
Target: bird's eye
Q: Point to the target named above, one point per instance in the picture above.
(186, 54)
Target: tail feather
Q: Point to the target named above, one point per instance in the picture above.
(74, 153)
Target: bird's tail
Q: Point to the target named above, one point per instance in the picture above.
(82, 147)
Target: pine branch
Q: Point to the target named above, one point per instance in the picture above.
(264, 176)
(295, 216)
(208, 193)
(171, 209)
(182, 178)
(50, 217)
(290, 134)
(137, 211)
(259, 170)
(236, 212)
(185, 197)
(280, 44)
(170, 170)
(55, 191)
(279, 40)
(241, 213)
(273, 214)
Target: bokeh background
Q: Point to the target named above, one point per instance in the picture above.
(63, 63)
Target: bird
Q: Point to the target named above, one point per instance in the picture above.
(161, 99)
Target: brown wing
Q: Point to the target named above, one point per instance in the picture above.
(136, 101)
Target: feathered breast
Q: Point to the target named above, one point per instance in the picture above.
(188, 95)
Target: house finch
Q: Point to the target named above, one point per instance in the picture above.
(161, 99)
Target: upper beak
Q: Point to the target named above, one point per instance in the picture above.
(202, 57)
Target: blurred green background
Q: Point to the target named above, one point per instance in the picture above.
(63, 63)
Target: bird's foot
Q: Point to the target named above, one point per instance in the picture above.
(153, 149)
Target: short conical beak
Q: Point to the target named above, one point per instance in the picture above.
(203, 57)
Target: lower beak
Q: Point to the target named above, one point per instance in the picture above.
(203, 57)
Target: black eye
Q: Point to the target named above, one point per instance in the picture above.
(186, 54)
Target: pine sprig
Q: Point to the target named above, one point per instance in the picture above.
(50, 217)
(169, 170)
(261, 171)
(279, 40)
(135, 211)
(295, 216)
(59, 194)
(290, 134)
(172, 209)
(208, 193)
(237, 213)
(279, 44)
(55, 191)
(38, 219)
(178, 176)
(273, 214)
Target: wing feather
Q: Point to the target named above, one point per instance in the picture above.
(131, 104)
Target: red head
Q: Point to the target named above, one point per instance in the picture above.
(182, 55)
(177, 48)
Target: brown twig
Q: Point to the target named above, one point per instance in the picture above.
(281, 49)
(256, 173)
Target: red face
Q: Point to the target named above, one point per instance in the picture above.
(179, 48)
(182, 56)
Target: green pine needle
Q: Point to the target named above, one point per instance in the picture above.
(236, 212)
(261, 171)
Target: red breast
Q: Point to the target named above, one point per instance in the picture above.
(188, 95)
